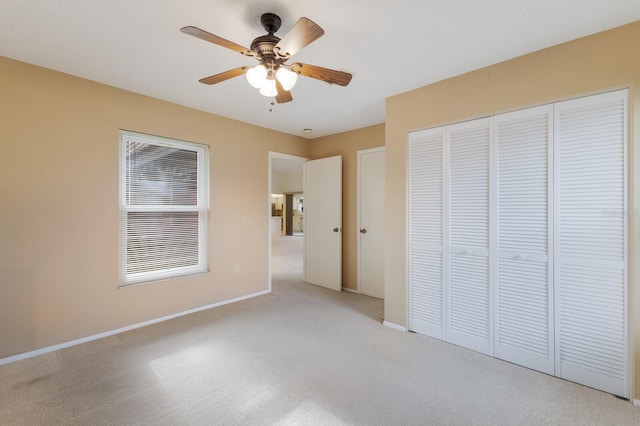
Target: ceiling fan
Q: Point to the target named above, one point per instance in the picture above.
(273, 76)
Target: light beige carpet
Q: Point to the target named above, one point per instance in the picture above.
(301, 355)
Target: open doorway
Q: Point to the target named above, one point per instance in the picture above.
(286, 211)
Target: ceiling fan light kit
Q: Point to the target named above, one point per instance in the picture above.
(286, 77)
(256, 76)
(259, 77)
(272, 75)
(269, 88)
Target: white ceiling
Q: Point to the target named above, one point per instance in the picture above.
(390, 46)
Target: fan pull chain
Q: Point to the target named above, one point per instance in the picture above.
(271, 104)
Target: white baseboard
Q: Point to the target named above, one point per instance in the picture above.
(350, 290)
(394, 326)
(64, 345)
(636, 402)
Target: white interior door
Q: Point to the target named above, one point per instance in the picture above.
(426, 233)
(469, 296)
(590, 245)
(323, 222)
(525, 255)
(371, 222)
(524, 290)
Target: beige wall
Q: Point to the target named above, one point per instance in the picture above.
(59, 215)
(348, 144)
(602, 62)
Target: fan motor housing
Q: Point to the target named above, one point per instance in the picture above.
(263, 45)
(263, 49)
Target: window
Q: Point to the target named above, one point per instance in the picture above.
(164, 208)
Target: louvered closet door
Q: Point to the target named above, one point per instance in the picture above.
(590, 277)
(468, 298)
(524, 326)
(426, 284)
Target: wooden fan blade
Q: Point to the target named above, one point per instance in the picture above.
(283, 95)
(212, 38)
(303, 33)
(340, 78)
(224, 75)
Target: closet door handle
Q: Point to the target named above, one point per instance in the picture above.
(363, 231)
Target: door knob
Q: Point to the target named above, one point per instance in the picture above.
(363, 231)
(336, 229)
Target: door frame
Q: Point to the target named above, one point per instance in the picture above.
(272, 155)
(358, 210)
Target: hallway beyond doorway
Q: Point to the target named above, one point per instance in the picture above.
(286, 257)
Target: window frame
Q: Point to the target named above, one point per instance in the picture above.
(202, 207)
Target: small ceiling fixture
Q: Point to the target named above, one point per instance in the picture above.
(272, 75)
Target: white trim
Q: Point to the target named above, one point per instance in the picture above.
(636, 402)
(394, 326)
(372, 150)
(64, 345)
(358, 224)
(269, 230)
(407, 231)
(350, 290)
(629, 358)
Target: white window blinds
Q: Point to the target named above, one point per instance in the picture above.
(164, 208)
